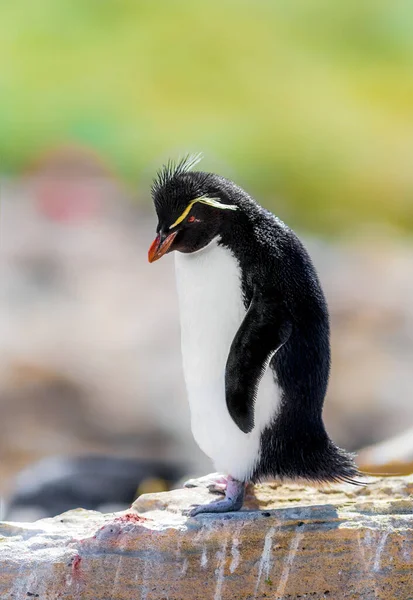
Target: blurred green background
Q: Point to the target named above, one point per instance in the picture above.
(309, 105)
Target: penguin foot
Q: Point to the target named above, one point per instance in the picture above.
(214, 482)
(234, 497)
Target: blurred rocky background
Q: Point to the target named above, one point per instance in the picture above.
(308, 106)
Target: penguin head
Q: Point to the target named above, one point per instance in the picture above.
(190, 206)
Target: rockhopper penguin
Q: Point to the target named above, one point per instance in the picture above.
(254, 331)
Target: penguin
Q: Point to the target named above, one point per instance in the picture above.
(254, 336)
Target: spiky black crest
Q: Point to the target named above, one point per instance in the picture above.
(173, 169)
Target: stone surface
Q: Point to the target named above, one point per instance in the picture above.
(393, 456)
(290, 541)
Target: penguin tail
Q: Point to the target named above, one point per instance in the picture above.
(328, 463)
(306, 453)
(338, 466)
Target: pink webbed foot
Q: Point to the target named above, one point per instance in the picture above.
(234, 497)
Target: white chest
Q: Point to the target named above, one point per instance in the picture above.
(211, 312)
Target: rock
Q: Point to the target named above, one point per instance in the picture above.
(393, 456)
(290, 541)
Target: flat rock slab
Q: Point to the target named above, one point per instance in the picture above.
(289, 542)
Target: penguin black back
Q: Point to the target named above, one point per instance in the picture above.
(274, 263)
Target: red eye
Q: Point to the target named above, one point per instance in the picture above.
(191, 219)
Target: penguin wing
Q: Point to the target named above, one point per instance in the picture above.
(265, 328)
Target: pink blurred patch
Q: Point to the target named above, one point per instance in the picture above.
(59, 199)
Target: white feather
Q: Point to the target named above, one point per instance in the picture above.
(211, 311)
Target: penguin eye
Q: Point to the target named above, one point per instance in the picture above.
(191, 219)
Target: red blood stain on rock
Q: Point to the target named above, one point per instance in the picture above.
(76, 564)
(110, 531)
(130, 518)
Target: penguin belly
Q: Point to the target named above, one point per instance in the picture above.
(211, 312)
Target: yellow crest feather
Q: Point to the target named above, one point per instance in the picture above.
(204, 200)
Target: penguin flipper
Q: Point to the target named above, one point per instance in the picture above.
(265, 328)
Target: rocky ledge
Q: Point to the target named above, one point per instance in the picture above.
(289, 541)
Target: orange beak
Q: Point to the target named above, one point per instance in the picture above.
(160, 246)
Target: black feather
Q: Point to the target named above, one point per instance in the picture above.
(172, 170)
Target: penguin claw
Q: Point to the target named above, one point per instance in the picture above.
(234, 497)
(221, 506)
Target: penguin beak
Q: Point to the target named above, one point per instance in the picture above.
(160, 246)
